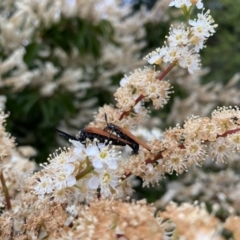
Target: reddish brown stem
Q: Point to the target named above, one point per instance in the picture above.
(158, 156)
(127, 112)
(122, 236)
(229, 132)
(5, 191)
(166, 71)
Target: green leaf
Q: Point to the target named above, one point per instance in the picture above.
(31, 53)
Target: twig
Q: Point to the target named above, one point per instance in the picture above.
(5, 191)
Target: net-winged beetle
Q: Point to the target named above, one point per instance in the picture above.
(92, 133)
(126, 135)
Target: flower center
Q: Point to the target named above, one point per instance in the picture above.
(62, 177)
(103, 154)
(175, 161)
(237, 139)
(106, 178)
(193, 148)
(222, 148)
(152, 89)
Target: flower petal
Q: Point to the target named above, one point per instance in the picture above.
(97, 163)
(71, 180)
(94, 182)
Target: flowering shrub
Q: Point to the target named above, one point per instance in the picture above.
(48, 79)
(83, 192)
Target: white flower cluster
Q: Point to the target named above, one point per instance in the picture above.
(80, 172)
(142, 82)
(186, 3)
(184, 43)
(22, 23)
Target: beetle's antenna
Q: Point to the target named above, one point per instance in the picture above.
(65, 135)
(106, 118)
(107, 128)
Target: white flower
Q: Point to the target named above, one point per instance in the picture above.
(175, 161)
(198, 43)
(187, 3)
(190, 60)
(220, 149)
(203, 26)
(106, 180)
(82, 190)
(178, 36)
(173, 53)
(61, 195)
(180, 3)
(61, 160)
(43, 186)
(156, 56)
(63, 177)
(79, 148)
(157, 90)
(195, 151)
(101, 156)
(234, 141)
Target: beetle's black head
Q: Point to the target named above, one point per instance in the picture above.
(81, 136)
(135, 148)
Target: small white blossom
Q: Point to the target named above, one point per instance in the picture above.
(203, 26)
(173, 53)
(106, 180)
(61, 160)
(195, 151)
(43, 186)
(234, 141)
(79, 148)
(176, 161)
(187, 3)
(156, 56)
(190, 60)
(180, 3)
(198, 43)
(220, 150)
(101, 156)
(178, 36)
(64, 178)
(60, 195)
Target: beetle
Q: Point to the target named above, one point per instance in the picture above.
(92, 133)
(126, 135)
